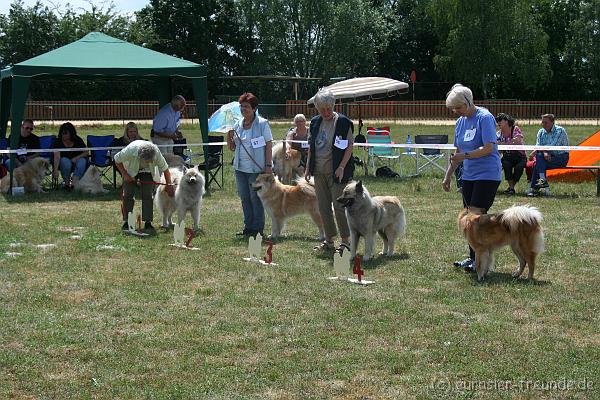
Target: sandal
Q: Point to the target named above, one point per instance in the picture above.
(342, 247)
(323, 246)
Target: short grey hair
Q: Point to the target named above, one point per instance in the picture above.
(459, 95)
(178, 99)
(551, 117)
(324, 98)
(299, 117)
(147, 151)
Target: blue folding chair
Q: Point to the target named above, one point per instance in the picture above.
(46, 143)
(381, 136)
(3, 146)
(102, 158)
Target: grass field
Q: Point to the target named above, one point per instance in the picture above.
(103, 315)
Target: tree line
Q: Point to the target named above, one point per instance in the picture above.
(504, 49)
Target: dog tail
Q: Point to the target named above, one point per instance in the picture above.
(516, 216)
(401, 221)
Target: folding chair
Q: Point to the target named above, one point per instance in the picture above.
(213, 162)
(381, 136)
(432, 157)
(46, 143)
(3, 146)
(102, 158)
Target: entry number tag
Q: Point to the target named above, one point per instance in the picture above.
(469, 134)
(258, 142)
(305, 145)
(340, 143)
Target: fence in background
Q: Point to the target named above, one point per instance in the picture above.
(386, 110)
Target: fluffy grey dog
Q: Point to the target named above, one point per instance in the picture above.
(189, 190)
(368, 216)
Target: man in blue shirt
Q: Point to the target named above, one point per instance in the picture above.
(549, 135)
(165, 126)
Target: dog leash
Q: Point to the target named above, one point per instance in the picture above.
(246, 150)
(155, 183)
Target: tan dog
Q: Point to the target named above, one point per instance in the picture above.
(90, 182)
(517, 226)
(285, 201)
(286, 169)
(30, 175)
(368, 216)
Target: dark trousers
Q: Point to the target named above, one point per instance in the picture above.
(129, 189)
(542, 165)
(479, 194)
(513, 164)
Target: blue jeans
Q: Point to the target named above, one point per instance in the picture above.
(542, 165)
(67, 166)
(254, 213)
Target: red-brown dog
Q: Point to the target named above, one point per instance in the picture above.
(517, 226)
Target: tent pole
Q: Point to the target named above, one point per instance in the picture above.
(19, 96)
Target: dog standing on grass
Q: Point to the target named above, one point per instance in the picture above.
(285, 201)
(517, 226)
(189, 190)
(368, 216)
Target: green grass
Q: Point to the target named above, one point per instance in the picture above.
(145, 320)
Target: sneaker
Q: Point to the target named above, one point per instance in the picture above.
(148, 228)
(509, 191)
(531, 194)
(541, 184)
(125, 226)
(467, 263)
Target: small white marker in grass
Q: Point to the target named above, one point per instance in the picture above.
(132, 221)
(254, 251)
(179, 231)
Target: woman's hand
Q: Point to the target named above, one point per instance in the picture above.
(339, 173)
(446, 184)
(457, 157)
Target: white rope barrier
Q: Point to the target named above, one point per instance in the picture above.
(395, 145)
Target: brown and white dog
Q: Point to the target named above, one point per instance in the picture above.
(517, 227)
(285, 201)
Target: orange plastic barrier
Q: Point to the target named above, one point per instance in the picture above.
(578, 158)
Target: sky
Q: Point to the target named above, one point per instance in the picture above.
(124, 6)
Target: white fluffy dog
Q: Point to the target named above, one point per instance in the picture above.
(189, 190)
(90, 182)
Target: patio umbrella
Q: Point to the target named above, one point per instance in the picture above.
(225, 117)
(357, 89)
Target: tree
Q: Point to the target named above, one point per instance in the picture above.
(495, 47)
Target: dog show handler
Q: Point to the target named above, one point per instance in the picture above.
(136, 162)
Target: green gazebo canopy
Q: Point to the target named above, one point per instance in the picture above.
(97, 55)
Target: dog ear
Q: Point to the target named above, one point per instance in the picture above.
(359, 187)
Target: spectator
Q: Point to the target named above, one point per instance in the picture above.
(251, 140)
(27, 140)
(475, 142)
(299, 132)
(130, 134)
(549, 135)
(330, 163)
(513, 161)
(136, 163)
(69, 162)
(165, 126)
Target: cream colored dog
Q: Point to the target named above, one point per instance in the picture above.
(90, 182)
(29, 175)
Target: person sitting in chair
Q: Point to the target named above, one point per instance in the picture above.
(513, 161)
(69, 162)
(549, 135)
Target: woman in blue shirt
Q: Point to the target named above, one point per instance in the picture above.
(251, 140)
(475, 142)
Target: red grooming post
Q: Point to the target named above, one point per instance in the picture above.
(269, 258)
(356, 270)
